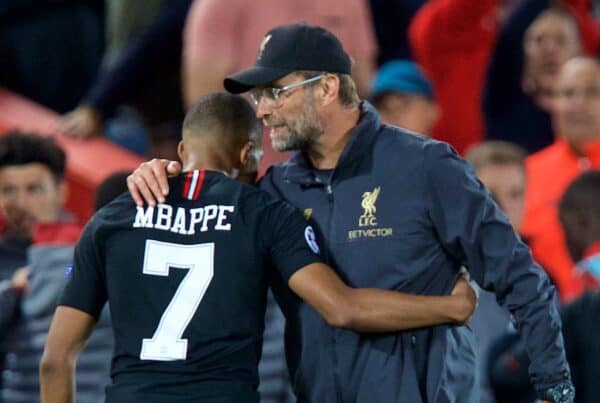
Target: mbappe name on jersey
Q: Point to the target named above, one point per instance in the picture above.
(184, 221)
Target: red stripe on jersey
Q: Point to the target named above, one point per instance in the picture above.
(187, 183)
(199, 185)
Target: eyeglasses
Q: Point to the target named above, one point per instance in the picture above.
(273, 94)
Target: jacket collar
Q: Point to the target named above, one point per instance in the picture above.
(298, 168)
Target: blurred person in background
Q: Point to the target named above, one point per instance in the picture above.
(403, 97)
(32, 193)
(501, 168)
(32, 190)
(534, 43)
(50, 51)
(125, 22)
(137, 100)
(579, 213)
(222, 39)
(453, 40)
(576, 120)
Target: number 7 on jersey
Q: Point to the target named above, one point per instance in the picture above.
(159, 258)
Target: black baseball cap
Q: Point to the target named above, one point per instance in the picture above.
(290, 48)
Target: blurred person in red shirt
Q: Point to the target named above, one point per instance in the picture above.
(576, 117)
(453, 40)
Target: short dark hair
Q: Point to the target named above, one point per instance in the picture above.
(18, 148)
(111, 187)
(228, 115)
(495, 153)
(583, 193)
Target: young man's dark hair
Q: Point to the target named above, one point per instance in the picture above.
(221, 123)
(32, 185)
(231, 117)
(17, 148)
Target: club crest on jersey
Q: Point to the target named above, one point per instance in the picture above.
(307, 213)
(311, 239)
(69, 270)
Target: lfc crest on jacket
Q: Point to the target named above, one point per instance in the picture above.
(368, 218)
(368, 227)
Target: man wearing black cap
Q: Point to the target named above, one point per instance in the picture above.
(393, 210)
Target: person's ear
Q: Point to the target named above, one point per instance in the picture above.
(329, 89)
(245, 153)
(181, 152)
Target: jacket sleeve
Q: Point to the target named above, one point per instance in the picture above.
(473, 230)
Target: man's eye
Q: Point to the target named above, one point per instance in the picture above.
(8, 191)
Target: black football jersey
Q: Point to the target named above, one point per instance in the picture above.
(186, 281)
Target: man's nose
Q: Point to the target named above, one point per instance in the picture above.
(22, 199)
(264, 108)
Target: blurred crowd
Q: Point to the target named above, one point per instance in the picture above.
(512, 85)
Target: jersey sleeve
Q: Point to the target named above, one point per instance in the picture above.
(289, 240)
(86, 287)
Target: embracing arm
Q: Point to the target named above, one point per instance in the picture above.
(68, 333)
(375, 310)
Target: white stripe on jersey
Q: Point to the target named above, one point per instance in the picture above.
(190, 195)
